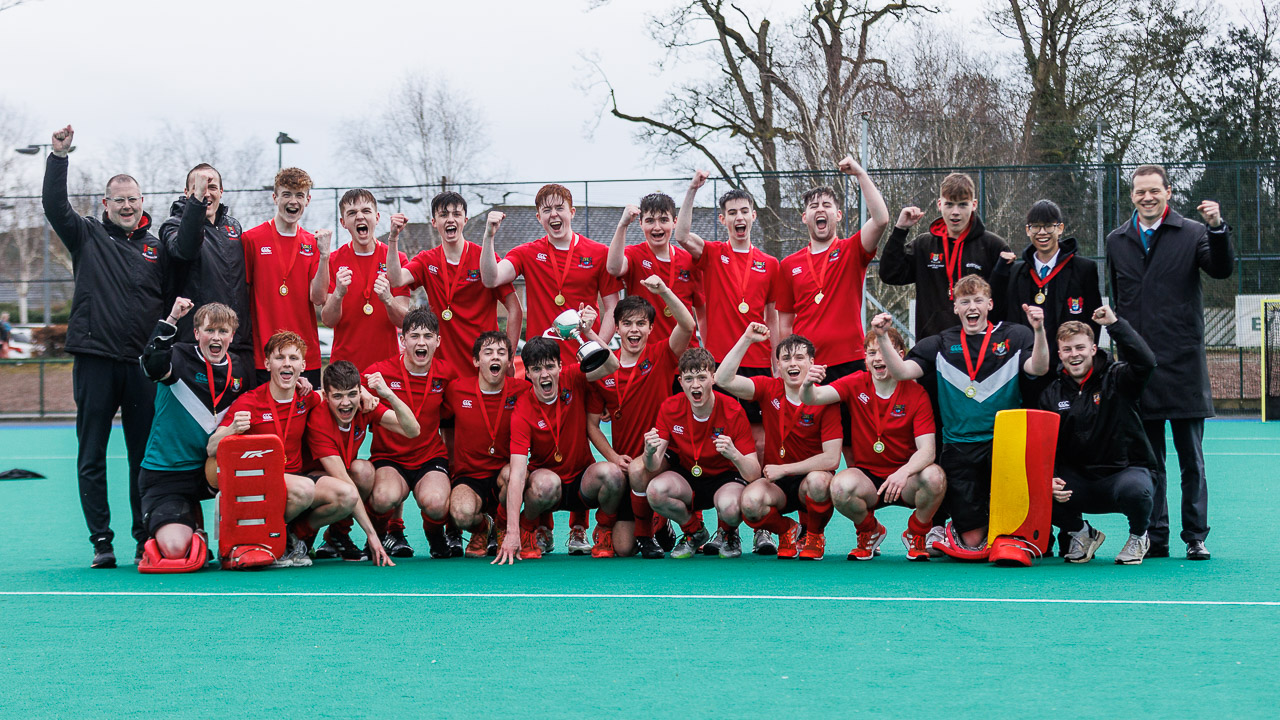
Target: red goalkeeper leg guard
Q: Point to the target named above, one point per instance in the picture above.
(251, 501)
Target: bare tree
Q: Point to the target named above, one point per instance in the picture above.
(772, 90)
(427, 130)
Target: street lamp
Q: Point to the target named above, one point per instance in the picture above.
(282, 139)
(398, 198)
(35, 149)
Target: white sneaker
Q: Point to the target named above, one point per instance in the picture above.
(937, 533)
(295, 556)
(1134, 550)
(763, 543)
(1084, 543)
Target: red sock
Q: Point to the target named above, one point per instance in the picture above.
(528, 525)
(819, 515)
(644, 515)
(500, 516)
(396, 524)
(430, 526)
(693, 524)
(802, 516)
(917, 526)
(302, 528)
(380, 521)
(868, 523)
(773, 522)
(605, 520)
(698, 514)
(723, 525)
(547, 520)
(343, 526)
(579, 518)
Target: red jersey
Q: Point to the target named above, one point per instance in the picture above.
(545, 276)
(693, 440)
(286, 420)
(482, 425)
(424, 395)
(274, 263)
(458, 289)
(902, 418)
(680, 275)
(833, 324)
(800, 428)
(729, 279)
(634, 395)
(538, 429)
(363, 338)
(325, 438)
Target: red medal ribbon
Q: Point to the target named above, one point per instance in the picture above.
(564, 274)
(740, 278)
(623, 390)
(370, 259)
(821, 278)
(350, 444)
(404, 375)
(279, 250)
(275, 420)
(964, 349)
(882, 418)
(697, 444)
(208, 370)
(451, 283)
(492, 429)
(789, 411)
(953, 273)
(555, 430)
(1041, 282)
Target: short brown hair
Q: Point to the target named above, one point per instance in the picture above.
(215, 315)
(957, 187)
(284, 339)
(292, 178)
(359, 195)
(1071, 328)
(340, 375)
(203, 166)
(697, 359)
(895, 338)
(971, 285)
(550, 191)
(1151, 170)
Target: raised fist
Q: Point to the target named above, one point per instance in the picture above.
(881, 324)
(699, 179)
(494, 220)
(724, 446)
(240, 425)
(382, 288)
(1035, 316)
(1210, 212)
(654, 444)
(181, 307)
(62, 141)
(377, 385)
(817, 373)
(629, 215)
(1105, 316)
(588, 315)
(849, 166)
(398, 223)
(324, 240)
(756, 332)
(342, 281)
(909, 216)
(654, 284)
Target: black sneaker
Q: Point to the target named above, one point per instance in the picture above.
(1197, 551)
(339, 545)
(439, 545)
(650, 549)
(453, 536)
(104, 556)
(492, 549)
(665, 535)
(396, 545)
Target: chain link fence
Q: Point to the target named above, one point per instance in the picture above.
(36, 281)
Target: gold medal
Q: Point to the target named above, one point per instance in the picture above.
(817, 299)
(878, 447)
(559, 299)
(743, 307)
(782, 452)
(1040, 298)
(971, 392)
(490, 451)
(284, 289)
(696, 471)
(559, 457)
(447, 315)
(666, 311)
(368, 309)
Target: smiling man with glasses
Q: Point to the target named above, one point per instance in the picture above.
(120, 270)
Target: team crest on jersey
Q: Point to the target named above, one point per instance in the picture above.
(683, 276)
(307, 249)
(510, 403)
(437, 385)
(586, 262)
(566, 396)
(935, 260)
(806, 419)
(835, 255)
(473, 275)
(645, 366)
(899, 410)
(231, 231)
(717, 432)
(149, 252)
(300, 405)
(1001, 348)
(1075, 305)
(235, 385)
(863, 397)
(1097, 398)
(382, 267)
(757, 265)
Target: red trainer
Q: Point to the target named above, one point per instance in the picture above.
(788, 542)
(529, 549)
(916, 548)
(867, 543)
(479, 545)
(604, 543)
(815, 545)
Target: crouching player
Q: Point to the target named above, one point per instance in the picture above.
(977, 370)
(278, 408)
(801, 445)
(482, 406)
(701, 454)
(198, 382)
(334, 439)
(893, 448)
(1104, 460)
(551, 467)
(421, 465)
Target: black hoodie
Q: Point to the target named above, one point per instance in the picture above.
(1073, 293)
(1101, 431)
(922, 262)
(120, 277)
(208, 265)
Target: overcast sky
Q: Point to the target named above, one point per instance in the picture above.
(119, 69)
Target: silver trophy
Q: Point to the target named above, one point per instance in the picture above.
(566, 326)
